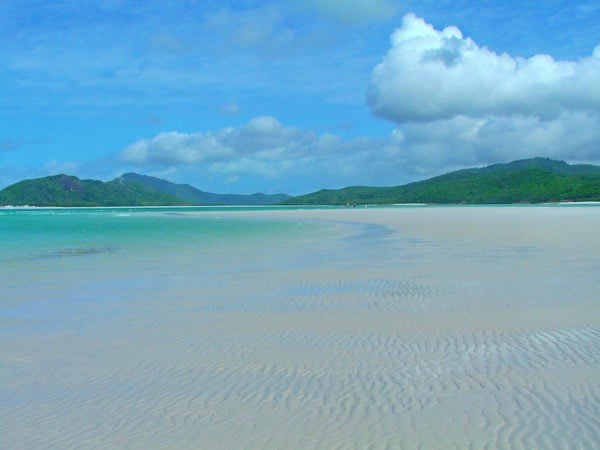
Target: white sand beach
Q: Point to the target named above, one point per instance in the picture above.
(415, 327)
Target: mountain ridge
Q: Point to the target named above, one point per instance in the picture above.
(198, 197)
(68, 190)
(126, 190)
(534, 180)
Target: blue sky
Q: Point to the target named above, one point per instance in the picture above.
(294, 96)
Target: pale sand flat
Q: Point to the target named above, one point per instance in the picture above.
(455, 327)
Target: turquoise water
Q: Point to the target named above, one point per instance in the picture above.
(37, 234)
(54, 262)
(28, 235)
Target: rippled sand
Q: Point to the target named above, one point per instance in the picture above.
(392, 328)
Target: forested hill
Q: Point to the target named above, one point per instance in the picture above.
(525, 181)
(127, 190)
(65, 190)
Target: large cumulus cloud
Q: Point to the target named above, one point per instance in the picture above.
(430, 75)
(457, 104)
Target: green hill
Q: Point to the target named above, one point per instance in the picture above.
(197, 197)
(64, 190)
(526, 181)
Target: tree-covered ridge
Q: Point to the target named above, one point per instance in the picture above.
(197, 197)
(65, 190)
(526, 181)
(126, 190)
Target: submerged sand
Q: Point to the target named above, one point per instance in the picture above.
(456, 327)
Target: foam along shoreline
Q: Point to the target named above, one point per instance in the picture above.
(456, 327)
(575, 203)
(143, 207)
(309, 206)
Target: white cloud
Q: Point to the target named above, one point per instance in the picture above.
(457, 104)
(466, 141)
(263, 139)
(267, 148)
(432, 75)
(172, 148)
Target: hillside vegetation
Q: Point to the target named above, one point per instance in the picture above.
(65, 190)
(197, 197)
(526, 181)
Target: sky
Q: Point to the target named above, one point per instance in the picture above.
(294, 96)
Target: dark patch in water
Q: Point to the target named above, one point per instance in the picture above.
(72, 251)
(178, 214)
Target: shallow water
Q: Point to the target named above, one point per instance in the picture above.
(384, 328)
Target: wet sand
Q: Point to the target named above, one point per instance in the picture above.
(458, 327)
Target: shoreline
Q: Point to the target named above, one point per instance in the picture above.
(309, 207)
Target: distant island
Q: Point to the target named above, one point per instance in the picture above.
(534, 180)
